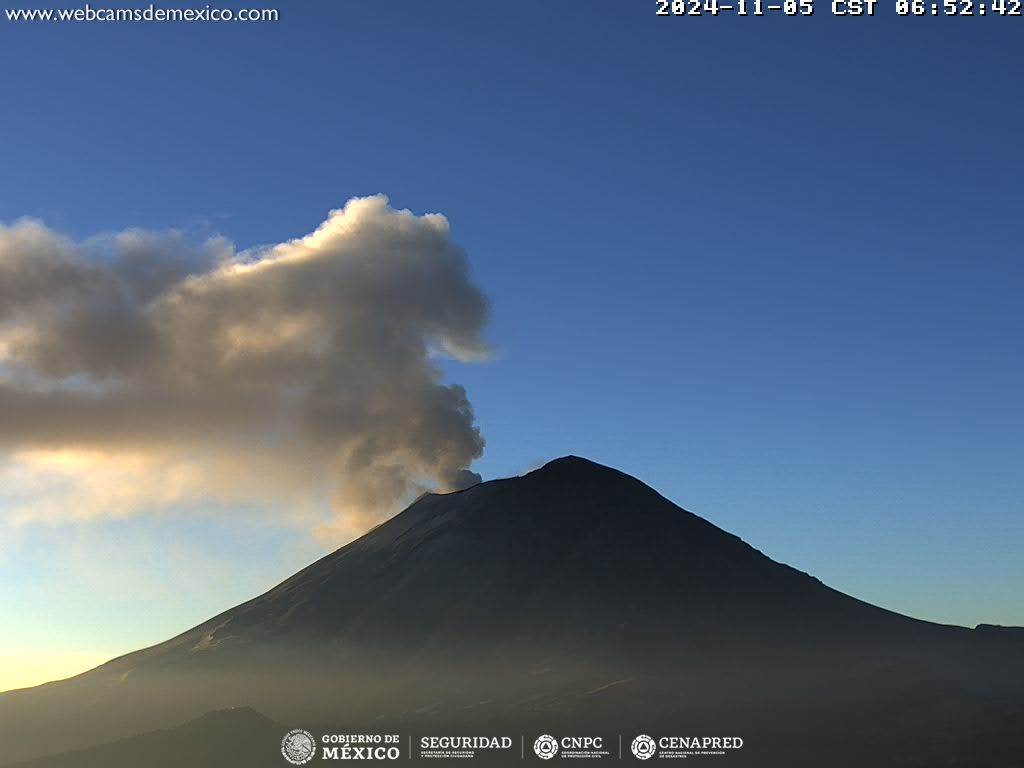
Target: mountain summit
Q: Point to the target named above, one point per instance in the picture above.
(574, 557)
(574, 594)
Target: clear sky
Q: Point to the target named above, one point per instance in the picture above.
(771, 266)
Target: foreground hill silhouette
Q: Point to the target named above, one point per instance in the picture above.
(574, 597)
(230, 737)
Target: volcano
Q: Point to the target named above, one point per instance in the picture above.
(573, 597)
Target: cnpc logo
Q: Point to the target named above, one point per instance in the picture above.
(548, 746)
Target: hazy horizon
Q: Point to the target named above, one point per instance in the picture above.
(27, 671)
(262, 284)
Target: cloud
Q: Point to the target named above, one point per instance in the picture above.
(142, 369)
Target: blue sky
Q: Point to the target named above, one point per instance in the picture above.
(772, 266)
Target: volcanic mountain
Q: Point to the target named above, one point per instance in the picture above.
(572, 597)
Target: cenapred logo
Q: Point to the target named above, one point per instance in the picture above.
(644, 747)
(546, 747)
(298, 746)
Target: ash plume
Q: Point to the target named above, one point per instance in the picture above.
(142, 369)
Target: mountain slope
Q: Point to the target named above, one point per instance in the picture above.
(574, 593)
(571, 549)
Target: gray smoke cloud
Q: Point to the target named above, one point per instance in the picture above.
(301, 368)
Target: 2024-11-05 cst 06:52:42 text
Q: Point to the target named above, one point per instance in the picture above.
(910, 8)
